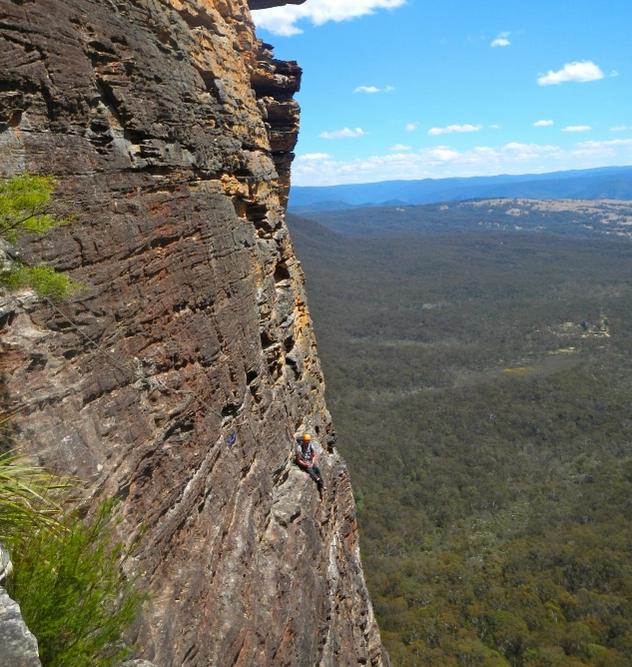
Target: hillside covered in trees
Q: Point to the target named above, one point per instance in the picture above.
(481, 382)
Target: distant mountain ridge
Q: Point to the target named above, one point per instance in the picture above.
(578, 218)
(602, 183)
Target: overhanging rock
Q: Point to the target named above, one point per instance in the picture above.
(266, 4)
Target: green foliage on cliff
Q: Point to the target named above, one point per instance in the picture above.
(480, 386)
(24, 209)
(67, 573)
(23, 206)
(72, 592)
(28, 496)
(43, 279)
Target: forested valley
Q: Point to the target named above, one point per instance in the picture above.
(480, 382)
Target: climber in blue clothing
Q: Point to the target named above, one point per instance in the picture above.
(306, 459)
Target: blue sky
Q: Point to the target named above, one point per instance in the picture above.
(428, 88)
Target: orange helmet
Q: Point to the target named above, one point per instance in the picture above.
(307, 437)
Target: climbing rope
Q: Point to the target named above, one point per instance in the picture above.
(230, 439)
(85, 336)
(130, 371)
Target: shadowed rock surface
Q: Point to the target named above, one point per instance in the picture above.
(265, 4)
(18, 647)
(178, 377)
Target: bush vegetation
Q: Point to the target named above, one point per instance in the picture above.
(24, 209)
(67, 573)
(43, 279)
(72, 593)
(28, 498)
(480, 386)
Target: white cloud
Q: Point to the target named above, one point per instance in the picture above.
(543, 123)
(366, 89)
(501, 40)
(580, 71)
(400, 147)
(445, 161)
(442, 154)
(310, 157)
(283, 20)
(344, 133)
(373, 89)
(605, 149)
(411, 127)
(577, 128)
(621, 128)
(450, 129)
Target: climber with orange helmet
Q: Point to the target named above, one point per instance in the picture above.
(306, 459)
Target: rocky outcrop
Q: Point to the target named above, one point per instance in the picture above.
(275, 82)
(265, 4)
(179, 375)
(18, 647)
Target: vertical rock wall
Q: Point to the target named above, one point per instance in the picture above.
(177, 378)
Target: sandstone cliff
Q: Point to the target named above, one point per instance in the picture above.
(177, 378)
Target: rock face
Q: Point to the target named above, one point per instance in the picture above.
(178, 377)
(18, 647)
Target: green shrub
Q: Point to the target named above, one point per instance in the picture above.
(72, 593)
(23, 206)
(27, 498)
(67, 571)
(44, 280)
(24, 209)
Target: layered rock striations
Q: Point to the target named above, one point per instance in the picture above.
(177, 378)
